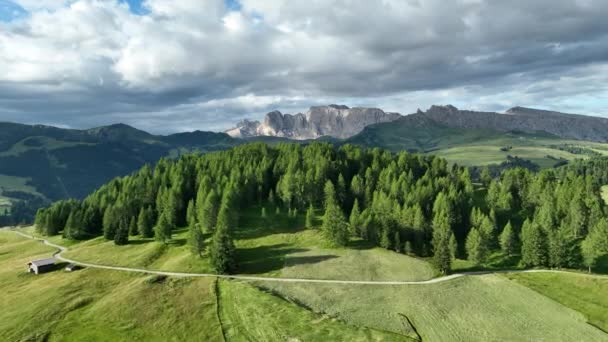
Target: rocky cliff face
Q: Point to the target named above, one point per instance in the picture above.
(570, 126)
(333, 120)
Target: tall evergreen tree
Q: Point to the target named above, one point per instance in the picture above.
(533, 247)
(310, 217)
(222, 251)
(334, 227)
(476, 247)
(442, 233)
(208, 217)
(191, 217)
(121, 236)
(595, 244)
(133, 227)
(145, 222)
(196, 240)
(110, 223)
(164, 229)
(355, 219)
(508, 240)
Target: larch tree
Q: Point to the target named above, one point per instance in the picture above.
(208, 216)
(310, 217)
(476, 252)
(222, 251)
(508, 240)
(164, 229)
(121, 236)
(595, 244)
(533, 246)
(133, 227)
(145, 222)
(335, 227)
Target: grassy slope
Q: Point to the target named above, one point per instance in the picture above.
(481, 308)
(97, 304)
(584, 294)
(248, 314)
(265, 247)
(101, 305)
(470, 146)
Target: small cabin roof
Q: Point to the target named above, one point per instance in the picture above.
(43, 262)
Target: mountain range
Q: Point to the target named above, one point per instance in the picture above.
(342, 122)
(42, 163)
(336, 121)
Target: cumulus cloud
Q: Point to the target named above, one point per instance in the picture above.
(187, 64)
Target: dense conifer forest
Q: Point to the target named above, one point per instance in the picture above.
(405, 202)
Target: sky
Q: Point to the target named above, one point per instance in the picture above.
(182, 65)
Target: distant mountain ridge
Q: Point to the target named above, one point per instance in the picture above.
(337, 121)
(342, 122)
(568, 126)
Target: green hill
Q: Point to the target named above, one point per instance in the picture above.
(474, 146)
(39, 164)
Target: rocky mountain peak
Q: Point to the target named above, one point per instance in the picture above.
(338, 121)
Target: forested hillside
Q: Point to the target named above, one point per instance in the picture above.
(408, 203)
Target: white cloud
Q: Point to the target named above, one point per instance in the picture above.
(70, 58)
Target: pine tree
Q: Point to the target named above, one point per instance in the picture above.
(397, 242)
(355, 220)
(121, 236)
(595, 244)
(334, 226)
(191, 217)
(310, 216)
(196, 240)
(110, 223)
(476, 248)
(209, 214)
(441, 243)
(508, 240)
(163, 229)
(222, 251)
(533, 248)
(485, 176)
(557, 247)
(453, 246)
(133, 227)
(385, 240)
(145, 222)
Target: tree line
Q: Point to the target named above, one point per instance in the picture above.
(405, 202)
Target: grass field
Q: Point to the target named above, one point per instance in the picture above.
(269, 247)
(247, 314)
(584, 294)
(480, 308)
(102, 305)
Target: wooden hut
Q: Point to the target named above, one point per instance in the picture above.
(41, 266)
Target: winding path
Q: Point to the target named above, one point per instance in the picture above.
(62, 249)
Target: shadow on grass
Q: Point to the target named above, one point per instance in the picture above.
(495, 261)
(360, 244)
(264, 259)
(140, 242)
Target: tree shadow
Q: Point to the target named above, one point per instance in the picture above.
(140, 242)
(264, 259)
(360, 244)
(303, 260)
(177, 242)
